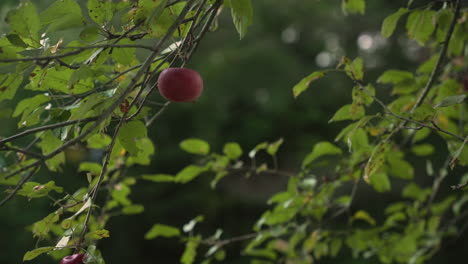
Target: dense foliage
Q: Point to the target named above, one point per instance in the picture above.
(90, 74)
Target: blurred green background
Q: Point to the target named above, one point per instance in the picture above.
(248, 100)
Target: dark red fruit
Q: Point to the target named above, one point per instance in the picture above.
(180, 84)
(73, 259)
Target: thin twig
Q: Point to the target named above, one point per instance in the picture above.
(420, 124)
(95, 190)
(142, 71)
(75, 52)
(47, 127)
(24, 151)
(155, 116)
(440, 60)
(19, 185)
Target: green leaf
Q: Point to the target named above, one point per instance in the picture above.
(41, 228)
(189, 173)
(85, 109)
(395, 77)
(380, 182)
(62, 14)
(190, 252)
(348, 112)
(421, 134)
(457, 41)
(146, 150)
(257, 148)
(13, 39)
(321, 149)
(30, 255)
(100, 11)
(159, 178)
(423, 113)
(440, 207)
(363, 215)
(353, 6)
(120, 193)
(272, 148)
(98, 234)
(9, 83)
(304, 83)
(428, 65)
(458, 205)
(27, 105)
(195, 146)
(8, 50)
(451, 100)
(130, 133)
(99, 141)
(36, 190)
(459, 152)
(232, 150)
(25, 22)
(363, 95)
(376, 161)
(133, 209)
(390, 22)
(91, 167)
(423, 149)
(335, 246)
(242, 15)
(355, 69)
(89, 34)
(159, 230)
(48, 144)
(420, 25)
(59, 79)
(124, 56)
(415, 192)
(399, 167)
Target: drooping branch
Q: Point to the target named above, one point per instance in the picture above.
(131, 86)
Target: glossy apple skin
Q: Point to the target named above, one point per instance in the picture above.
(73, 259)
(180, 84)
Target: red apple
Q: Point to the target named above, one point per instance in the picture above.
(73, 259)
(180, 84)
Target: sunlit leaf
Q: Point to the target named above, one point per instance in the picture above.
(242, 15)
(98, 234)
(304, 83)
(100, 11)
(420, 25)
(348, 112)
(30, 255)
(363, 215)
(159, 230)
(9, 83)
(195, 146)
(272, 148)
(232, 150)
(130, 133)
(321, 149)
(63, 14)
(354, 6)
(355, 69)
(159, 178)
(390, 22)
(25, 22)
(190, 252)
(189, 173)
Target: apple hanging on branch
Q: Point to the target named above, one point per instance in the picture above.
(73, 259)
(180, 84)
